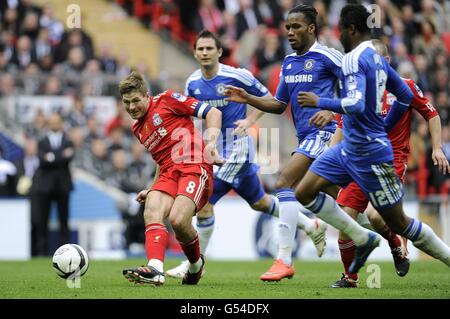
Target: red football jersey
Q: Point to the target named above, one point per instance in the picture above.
(168, 132)
(401, 132)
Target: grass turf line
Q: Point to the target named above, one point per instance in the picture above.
(227, 280)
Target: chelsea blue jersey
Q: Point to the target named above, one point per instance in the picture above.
(317, 71)
(212, 92)
(366, 75)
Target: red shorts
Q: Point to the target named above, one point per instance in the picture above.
(352, 196)
(193, 181)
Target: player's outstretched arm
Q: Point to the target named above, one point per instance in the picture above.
(265, 103)
(438, 156)
(404, 95)
(243, 125)
(213, 125)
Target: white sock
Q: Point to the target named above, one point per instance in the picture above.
(424, 238)
(195, 267)
(364, 221)
(303, 221)
(205, 228)
(287, 227)
(285, 243)
(157, 264)
(325, 207)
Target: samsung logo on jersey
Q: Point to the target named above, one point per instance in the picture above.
(217, 103)
(298, 78)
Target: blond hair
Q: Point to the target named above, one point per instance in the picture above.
(133, 82)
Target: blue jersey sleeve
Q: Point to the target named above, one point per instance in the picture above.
(402, 92)
(282, 93)
(353, 101)
(335, 65)
(256, 88)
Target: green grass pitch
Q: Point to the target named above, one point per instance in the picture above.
(231, 280)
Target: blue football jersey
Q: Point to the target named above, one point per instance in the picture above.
(212, 92)
(317, 71)
(366, 75)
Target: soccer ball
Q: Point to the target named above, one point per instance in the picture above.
(70, 259)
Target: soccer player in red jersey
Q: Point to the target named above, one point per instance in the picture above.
(184, 180)
(355, 202)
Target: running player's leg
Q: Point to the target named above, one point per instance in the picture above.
(420, 234)
(252, 191)
(330, 169)
(205, 217)
(205, 226)
(353, 201)
(396, 242)
(194, 190)
(157, 207)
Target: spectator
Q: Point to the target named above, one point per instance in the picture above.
(24, 53)
(107, 61)
(8, 177)
(98, 164)
(53, 86)
(210, 16)
(52, 182)
(271, 52)
(82, 153)
(30, 25)
(77, 117)
(42, 45)
(27, 167)
(247, 18)
(54, 26)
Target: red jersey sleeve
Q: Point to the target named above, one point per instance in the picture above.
(183, 105)
(420, 103)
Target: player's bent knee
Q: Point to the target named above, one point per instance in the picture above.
(178, 222)
(153, 216)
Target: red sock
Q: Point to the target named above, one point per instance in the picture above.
(391, 237)
(192, 249)
(347, 248)
(156, 239)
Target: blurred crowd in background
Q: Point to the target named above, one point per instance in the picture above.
(38, 56)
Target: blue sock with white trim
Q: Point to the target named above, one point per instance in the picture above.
(425, 239)
(205, 228)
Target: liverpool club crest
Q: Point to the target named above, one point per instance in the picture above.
(157, 120)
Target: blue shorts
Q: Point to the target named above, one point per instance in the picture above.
(239, 156)
(314, 144)
(377, 178)
(249, 189)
